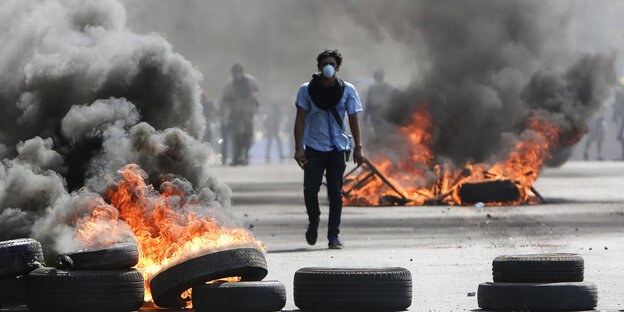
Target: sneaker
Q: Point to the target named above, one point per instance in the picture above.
(335, 243)
(311, 234)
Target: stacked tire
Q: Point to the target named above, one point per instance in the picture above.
(546, 282)
(250, 294)
(353, 289)
(96, 279)
(18, 257)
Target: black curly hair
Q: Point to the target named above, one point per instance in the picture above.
(329, 52)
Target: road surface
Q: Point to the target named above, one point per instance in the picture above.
(448, 249)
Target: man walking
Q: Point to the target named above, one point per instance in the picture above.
(321, 141)
(239, 107)
(376, 99)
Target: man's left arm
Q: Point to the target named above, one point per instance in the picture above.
(354, 124)
(353, 108)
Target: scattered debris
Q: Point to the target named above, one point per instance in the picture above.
(369, 172)
(492, 190)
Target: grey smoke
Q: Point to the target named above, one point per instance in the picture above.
(62, 53)
(82, 96)
(89, 121)
(489, 66)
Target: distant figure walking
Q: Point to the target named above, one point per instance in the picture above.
(239, 107)
(376, 99)
(596, 134)
(273, 127)
(210, 112)
(618, 114)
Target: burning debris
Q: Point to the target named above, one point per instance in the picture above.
(507, 181)
(503, 91)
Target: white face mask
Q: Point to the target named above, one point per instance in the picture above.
(329, 71)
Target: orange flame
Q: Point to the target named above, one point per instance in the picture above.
(416, 177)
(168, 228)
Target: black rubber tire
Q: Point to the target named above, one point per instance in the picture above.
(167, 286)
(113, 257)
(539, 268)
(50, 289)
(19, 257)
(579, 296)
(362, 289)
(498, 191)
(265, 296)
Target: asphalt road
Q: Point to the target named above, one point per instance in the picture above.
(449, 250)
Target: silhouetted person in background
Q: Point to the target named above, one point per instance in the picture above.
(273, 126)
(596, 134)
(376, 99)
(321, 140)
(210, 112)
(618, 114)
(239, 107)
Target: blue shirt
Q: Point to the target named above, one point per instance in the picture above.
(321, 130)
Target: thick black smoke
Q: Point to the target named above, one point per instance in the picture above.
(82, 96)
(488, 65)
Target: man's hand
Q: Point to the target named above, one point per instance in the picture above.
(300, 157)
(358, 156)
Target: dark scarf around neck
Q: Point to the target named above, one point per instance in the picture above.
(325, 97)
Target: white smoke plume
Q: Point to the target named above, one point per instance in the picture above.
(83, 96)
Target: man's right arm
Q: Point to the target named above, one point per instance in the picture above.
(299, 126)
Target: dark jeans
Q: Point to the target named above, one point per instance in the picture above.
(333, 163)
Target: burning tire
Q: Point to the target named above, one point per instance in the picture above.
(543, 297)
(499, 191)
(240, 296)
(50, 289)
(541, 268)
(19, 256)
(334, 289)
(246, 262)
(114, 257)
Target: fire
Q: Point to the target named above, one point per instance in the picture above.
(416, 179)
(168, 228)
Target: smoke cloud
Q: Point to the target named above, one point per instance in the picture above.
(489, 67)
(83, 96)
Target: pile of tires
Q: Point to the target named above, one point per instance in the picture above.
(96, 279)
(250, 294)
(353, 289)
(18, 257)
(543, 282)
